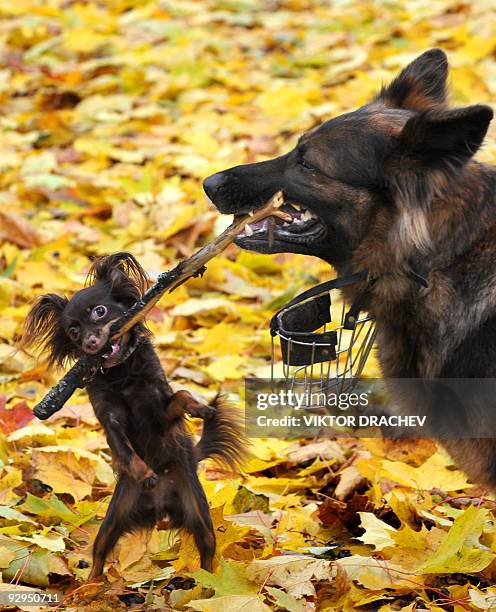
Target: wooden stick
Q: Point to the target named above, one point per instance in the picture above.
(166, 282)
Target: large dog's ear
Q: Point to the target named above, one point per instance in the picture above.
(419, 86)
(43, 329)
(126, 278)
(444, 138)
(430, 149)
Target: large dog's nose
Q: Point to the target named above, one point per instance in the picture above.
(213, 183)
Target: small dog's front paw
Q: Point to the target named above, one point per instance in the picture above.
(150, 480)
(143, 474)
(204, 412)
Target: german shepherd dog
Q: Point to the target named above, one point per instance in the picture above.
(392, 189)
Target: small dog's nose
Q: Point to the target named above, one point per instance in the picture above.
(212, 184)
(92, 342)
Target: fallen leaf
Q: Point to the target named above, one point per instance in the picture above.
(229, 581)
(12, 418)
(350, 480)
(377, 532)
(18, 230)
(461, 550)
(293, 573)
(230, 603)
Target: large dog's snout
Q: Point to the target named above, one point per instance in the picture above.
(213, 183)
(242, 188)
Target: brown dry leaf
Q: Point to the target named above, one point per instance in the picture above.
(350, 480)
(293, 573)
(326, 450)
(16, 229)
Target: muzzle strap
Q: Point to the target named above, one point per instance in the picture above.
(353, 313)
(356, 307)
(336, 283)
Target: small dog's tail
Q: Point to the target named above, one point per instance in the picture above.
(223, 437)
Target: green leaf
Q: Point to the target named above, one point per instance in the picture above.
(47, 181)
(30, 562)
(230, 581)
(51, 507)
(461, 550)
(14, 515)
(285, 601)
(45, 539)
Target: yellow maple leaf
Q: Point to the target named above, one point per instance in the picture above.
(434, 473)
(226, 533)
(226, 367)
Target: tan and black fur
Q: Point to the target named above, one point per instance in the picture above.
(395, 188)
(153, 453)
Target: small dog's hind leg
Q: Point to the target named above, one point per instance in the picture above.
(204, 535)
(198, 522)
(114, 524)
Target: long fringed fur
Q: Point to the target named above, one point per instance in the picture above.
(126, 279)
(223, 437)
(44, 332)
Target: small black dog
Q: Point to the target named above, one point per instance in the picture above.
(153, 454)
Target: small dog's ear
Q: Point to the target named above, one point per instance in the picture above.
(126, 278)
(43, 329)
(419, 86)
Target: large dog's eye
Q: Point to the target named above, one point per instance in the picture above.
(305, 164)
(73, 333)
(98, 313)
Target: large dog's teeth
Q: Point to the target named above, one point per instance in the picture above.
(247, 230)
(307, 215)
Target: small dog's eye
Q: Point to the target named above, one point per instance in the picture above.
(73, 333)
(98, 312)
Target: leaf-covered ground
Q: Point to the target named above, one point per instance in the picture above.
(111, 113)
